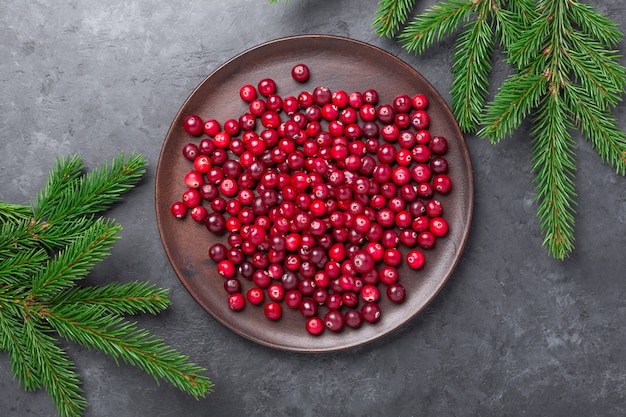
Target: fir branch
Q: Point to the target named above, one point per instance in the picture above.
(554, 166)
(56, 370)
(390, 15)
(13, 212)
(597, 69)
(129, 298)
(437, 22)
(11, 341)
(111, 334)
(97, 190)
(470, 70)
(19, 268)
(599, 127)
(512, 18)
(44, 252)
(595, 23)
(27, 234)
(518, 95)
(74, 262)
(67, 171)
(14, 237)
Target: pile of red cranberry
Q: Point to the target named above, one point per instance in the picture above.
(314, 194)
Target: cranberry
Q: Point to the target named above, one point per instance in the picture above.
(370, 312)
(388, 274)
(333, 321)
(305, 99)
(247, 93)
(193, 125)
(178, 209)
(273, 310)
(190, 151)
(300, 73)
(211, 127)
(426, 239)
(255, 295)
(293, 298)
(415, 259)
(198, 213)
(370, 96)
(191, 198)
(232, 285)
(314, 325)
(308, 307)
(322, 95)
(442, 183)
(353, 319)
(363, 261)
(434, 208)
(438, 145)
(370, 293)
(438, 226)
(439, 165)
(236, 301)
(266, 87)
(355, 100)
(420, 119)
(396, 293)
(419, 102)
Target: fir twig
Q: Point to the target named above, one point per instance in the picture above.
(574, 81)
(129, 298)
(74, 262)
(94, 192)
(554, 166)
(120, 339)
(565, 67)
(434, 24)
(45, 251)
(390, 15)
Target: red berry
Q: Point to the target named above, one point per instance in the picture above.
(438, 226)
(396, 293)
(300, 73)
(236, 301)
(267, 87)
(272, 310)
(179, 210)
(315, 325)
(255, 295)
(371, 312)
(193, 125)
(333, 321)
(419, 102)
(247, 93)
(415, 259)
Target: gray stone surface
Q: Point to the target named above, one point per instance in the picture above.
(513, 333)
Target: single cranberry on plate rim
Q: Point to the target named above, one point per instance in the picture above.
(318, 197)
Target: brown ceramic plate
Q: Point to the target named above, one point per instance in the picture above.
(338, 63)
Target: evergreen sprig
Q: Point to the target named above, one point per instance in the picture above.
(567, 76)
(46, 250)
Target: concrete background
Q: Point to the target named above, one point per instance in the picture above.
(513, 333)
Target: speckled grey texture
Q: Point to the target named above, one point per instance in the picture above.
(513, 333)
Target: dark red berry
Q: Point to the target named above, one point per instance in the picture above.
(300, 73)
